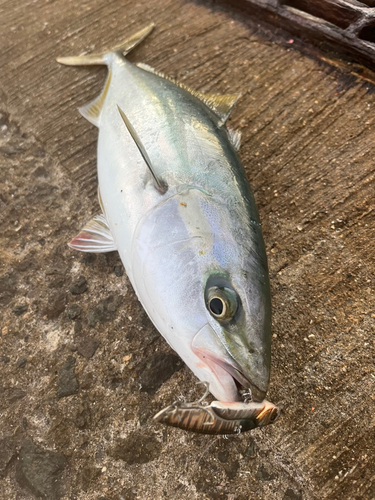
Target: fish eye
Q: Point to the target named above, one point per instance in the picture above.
(217, 306)
(221, 303)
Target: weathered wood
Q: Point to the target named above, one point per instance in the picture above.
(308, 146)
(345, 26)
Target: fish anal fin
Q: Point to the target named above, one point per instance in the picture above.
(95, 237)
(92, 110)
(221, 105)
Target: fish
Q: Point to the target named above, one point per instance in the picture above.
(177, 206)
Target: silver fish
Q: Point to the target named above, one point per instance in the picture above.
(178, 208)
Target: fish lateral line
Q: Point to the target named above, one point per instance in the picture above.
(160, 184)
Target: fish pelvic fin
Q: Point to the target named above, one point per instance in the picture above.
(220, 105)
(160, 185)
(94, 59)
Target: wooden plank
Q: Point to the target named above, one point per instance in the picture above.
(308, 146)
(339, 26)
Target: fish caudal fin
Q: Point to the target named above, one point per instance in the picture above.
(90, 60)
(134, 40)
(93, 110)
(94, 59)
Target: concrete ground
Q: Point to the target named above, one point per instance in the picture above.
(75, 344)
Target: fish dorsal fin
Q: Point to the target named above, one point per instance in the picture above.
(159, 183)
(221, 105)
(235, 138)
(93, 109)
(95, 237)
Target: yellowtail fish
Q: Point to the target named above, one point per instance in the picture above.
(177, 206)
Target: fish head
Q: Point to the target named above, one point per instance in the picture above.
(238, 322)
(207, 292)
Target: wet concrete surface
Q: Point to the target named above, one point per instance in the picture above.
(82, 369)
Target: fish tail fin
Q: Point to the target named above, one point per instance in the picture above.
(93, 59)
(129, 44)
(92, 111)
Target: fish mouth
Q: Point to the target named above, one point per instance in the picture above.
(229, 382)
(246, 389)
(244, 386)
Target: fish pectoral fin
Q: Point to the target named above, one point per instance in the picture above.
(93, 109)
(235, 138)
(124, 48)
(95, 237)
(221, 105)
(160, 185)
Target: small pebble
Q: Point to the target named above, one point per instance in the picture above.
(79, 286)
(21, 362)
(20, 309)
(119, 271)
(73, 311)
(87, 347)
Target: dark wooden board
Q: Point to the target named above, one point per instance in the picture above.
(346, 27)
(308, 147)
